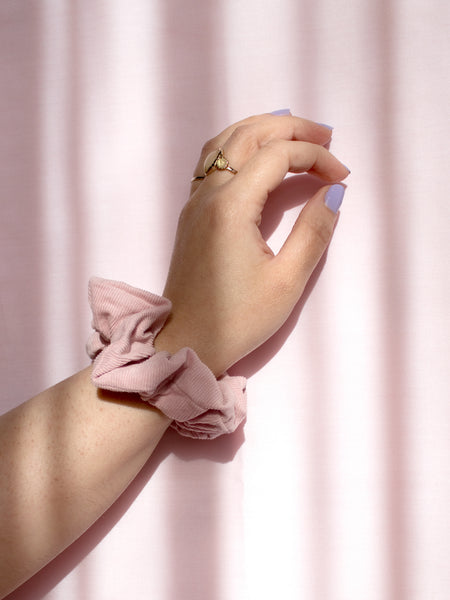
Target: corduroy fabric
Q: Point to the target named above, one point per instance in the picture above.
(126, 321)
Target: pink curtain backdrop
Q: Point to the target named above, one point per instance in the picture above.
(338, 486)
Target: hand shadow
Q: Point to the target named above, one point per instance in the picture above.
(294, 191)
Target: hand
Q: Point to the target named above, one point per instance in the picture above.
(229, 292)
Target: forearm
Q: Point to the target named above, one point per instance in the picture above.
(69, 453)
(65, 457)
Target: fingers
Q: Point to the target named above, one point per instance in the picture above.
(267, 168)
(266, 127)
(309, 238)
(247, 136)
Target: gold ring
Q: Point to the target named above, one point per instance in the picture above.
(216, 161)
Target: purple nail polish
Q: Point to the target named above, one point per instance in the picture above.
(334, 197)
(282, 112)
(325, 125)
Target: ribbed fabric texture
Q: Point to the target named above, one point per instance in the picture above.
(126, 321)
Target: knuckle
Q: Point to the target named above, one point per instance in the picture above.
(321, 231)
(276, 147)
(274, 144)
(209, 146)
(245, 137)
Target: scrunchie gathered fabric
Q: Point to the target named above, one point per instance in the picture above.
(126, 321)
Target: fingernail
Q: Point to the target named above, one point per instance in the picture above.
(334, 197)
(325, 125)
(281, 112)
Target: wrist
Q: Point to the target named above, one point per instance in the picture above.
(173, 338)
(175, 380)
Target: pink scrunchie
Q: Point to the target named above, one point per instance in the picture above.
(126, 321)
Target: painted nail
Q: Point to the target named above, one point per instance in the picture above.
(325, 125)
(334, 197)
(281, 112)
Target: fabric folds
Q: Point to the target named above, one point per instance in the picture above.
(126, 321)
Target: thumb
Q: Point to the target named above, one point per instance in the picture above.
(311, 234)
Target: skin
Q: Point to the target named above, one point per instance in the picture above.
(68, 454)
(223, 306)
